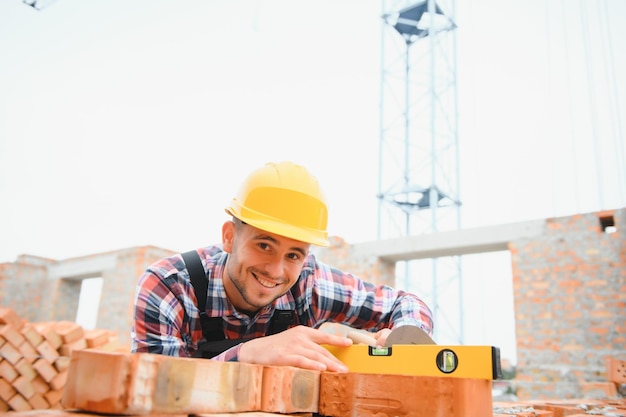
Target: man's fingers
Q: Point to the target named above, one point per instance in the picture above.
(322, 338)
(299, 346)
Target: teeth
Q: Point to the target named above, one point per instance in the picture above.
(265, 283)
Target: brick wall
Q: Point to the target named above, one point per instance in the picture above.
(371, 268)
(118, 289)
(41, 290)
(23, 284)
(570, 303)
(569, 284)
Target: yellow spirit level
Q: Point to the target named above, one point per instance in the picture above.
(478, 362)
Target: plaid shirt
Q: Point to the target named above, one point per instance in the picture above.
(166, 319)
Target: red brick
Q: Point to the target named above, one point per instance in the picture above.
(18, 403)
(25, 368)
(11, 334)
(10, 353)
(48, 351)
(355, 394)
(24, 387)
(45, 369)
(38, 402)
(616, 370)
(31, 335)
(49, 334)
(28, 351)
(140, 383)
(8, 316)
(287, 389)
(6, 390)
(7, 370)
(69, 331)
(599, 389)
(40, 385)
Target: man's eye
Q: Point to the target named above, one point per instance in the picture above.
(264, 246)
(294, 256)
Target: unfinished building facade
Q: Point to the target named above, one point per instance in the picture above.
(569, 280)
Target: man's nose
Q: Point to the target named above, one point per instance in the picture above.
(274, 267)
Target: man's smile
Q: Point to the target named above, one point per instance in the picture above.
(264, 282)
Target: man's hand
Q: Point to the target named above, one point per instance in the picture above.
(381, 337)
(298, 346)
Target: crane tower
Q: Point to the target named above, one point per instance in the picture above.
(418, 186)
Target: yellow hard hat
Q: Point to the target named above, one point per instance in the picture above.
(285, 199)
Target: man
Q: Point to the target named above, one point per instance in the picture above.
(262, 271)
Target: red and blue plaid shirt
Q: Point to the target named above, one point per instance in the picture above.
(167, 321)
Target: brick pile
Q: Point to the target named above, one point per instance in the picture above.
(60, 369)
(35, 357)
(561, 408)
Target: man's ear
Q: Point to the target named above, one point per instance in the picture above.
(228, 235)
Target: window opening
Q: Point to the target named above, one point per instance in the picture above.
(607, 223)
(89, 302)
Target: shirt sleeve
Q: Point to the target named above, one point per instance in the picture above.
(341, 297)
(230, 355)
(159, 324)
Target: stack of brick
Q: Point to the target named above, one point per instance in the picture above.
(60, 369)
(35, 357)
(561, 408)
(600, 398)
(115, 383)
(144, 384)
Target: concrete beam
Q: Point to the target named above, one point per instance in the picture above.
(449, 243)
(81, 268)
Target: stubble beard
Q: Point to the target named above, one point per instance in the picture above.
(242, 289)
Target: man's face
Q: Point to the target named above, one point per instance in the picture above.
(261, 267)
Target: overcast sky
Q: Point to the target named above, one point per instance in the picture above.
(126, 123)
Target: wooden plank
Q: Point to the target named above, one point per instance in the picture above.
(140, 383)
(356, 394)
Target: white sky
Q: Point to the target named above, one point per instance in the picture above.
(127, 123)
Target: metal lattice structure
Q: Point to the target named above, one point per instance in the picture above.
(418, 156)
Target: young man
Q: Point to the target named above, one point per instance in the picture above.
(263, 274)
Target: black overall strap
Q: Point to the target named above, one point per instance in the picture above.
(212, 329)
(280, 321)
